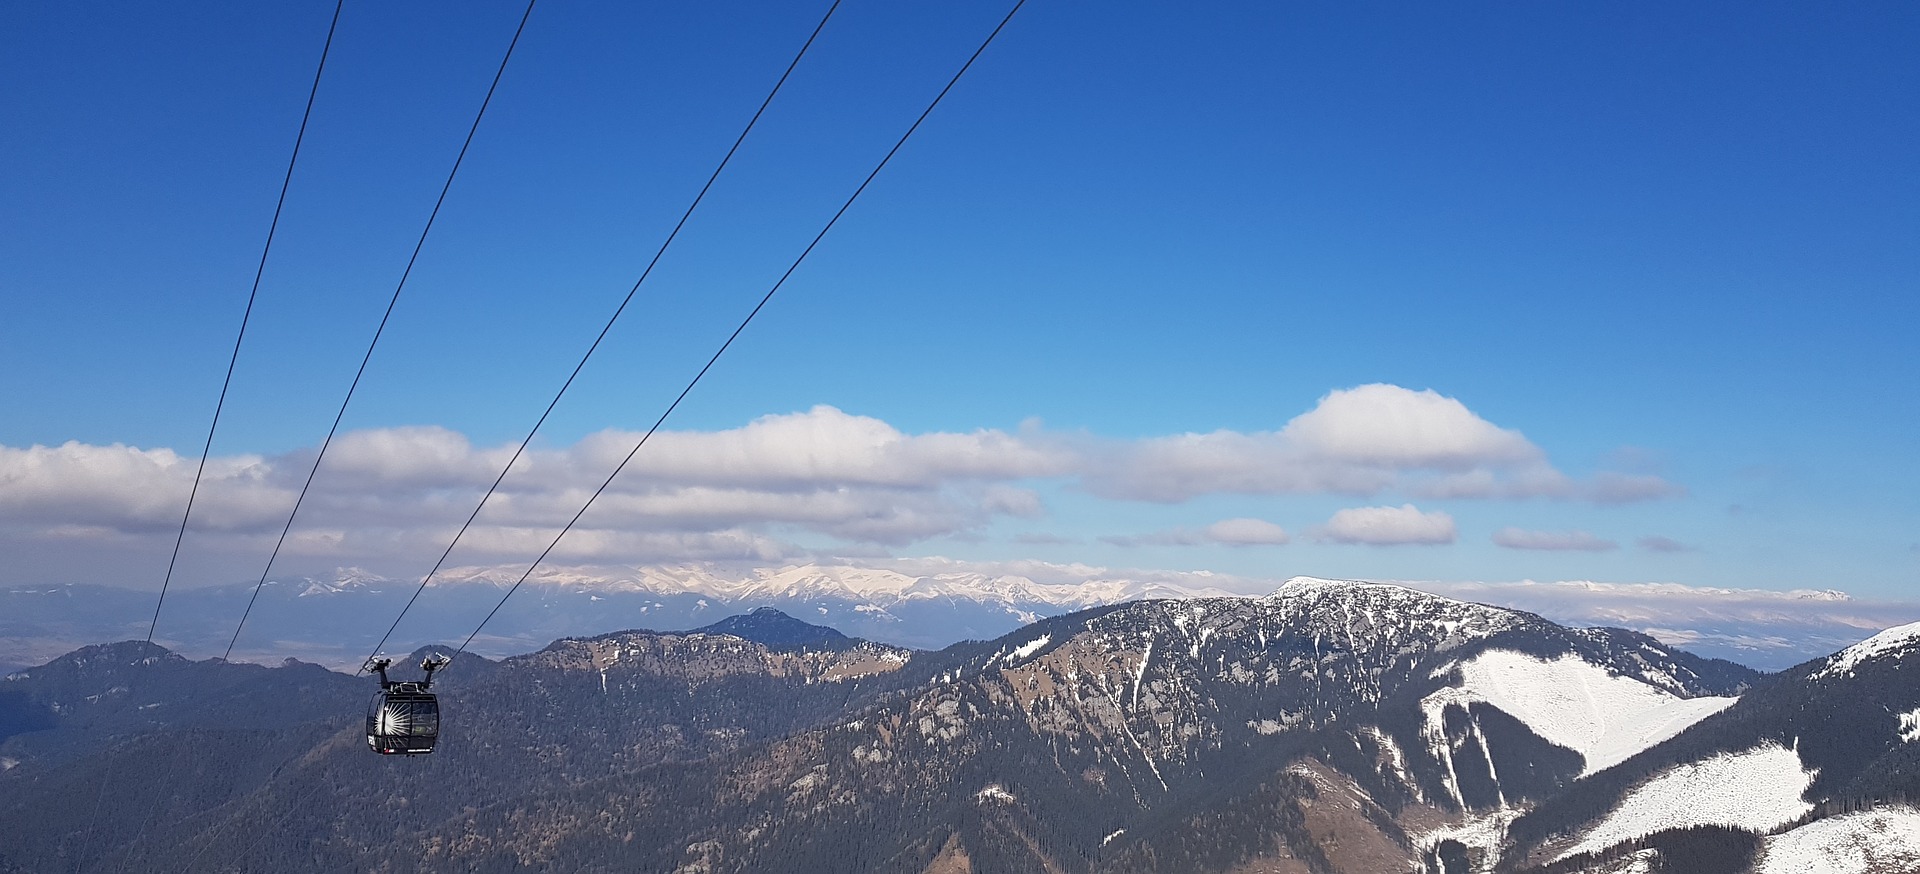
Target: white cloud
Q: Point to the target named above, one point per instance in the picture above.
(1246, 532)
(132, 490)
(823, 446)
(1575, 541)
(1226, 532)
(1390, 426)
(397, 494)
(1145, 582)
(417, 456)
(1388, 526)
(1361, 441)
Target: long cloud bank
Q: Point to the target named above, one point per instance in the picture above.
(1360, 442)
(748, 492)
(1758, 627)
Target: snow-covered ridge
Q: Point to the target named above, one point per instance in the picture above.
(1367, 604)
(1317, 588)
(1891, 642)
(877, 586)
(1029, 648)
(1757, 790)
(1297, 586)
(1857, 843)
(346, 579)
(1571, 702)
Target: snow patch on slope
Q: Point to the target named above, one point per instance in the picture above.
(1857, 843)
(1029, 648)
(1484, 833)
(1892, 641)
(1910, 725)
(993, 792)
(1572, 703)
(1755, 790)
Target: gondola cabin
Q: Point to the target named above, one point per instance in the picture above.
(404, 717)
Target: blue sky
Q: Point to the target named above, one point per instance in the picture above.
(1677, 244)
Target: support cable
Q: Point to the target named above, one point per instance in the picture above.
(246, 316)
(273, 226)
(391, 302)
(606, 328)
(743, 323)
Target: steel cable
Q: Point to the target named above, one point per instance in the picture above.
(522, 448)
(743, 323)
(391, 302)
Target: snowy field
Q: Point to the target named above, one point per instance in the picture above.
(1868, 842)
(1756, 790)
(1573, 703)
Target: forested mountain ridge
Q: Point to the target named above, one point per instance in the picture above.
(1329, 727)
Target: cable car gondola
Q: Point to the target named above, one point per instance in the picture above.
(404, 717)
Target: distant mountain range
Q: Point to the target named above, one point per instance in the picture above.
(336, 620)
(1329, 727)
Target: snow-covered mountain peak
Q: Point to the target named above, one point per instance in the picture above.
(1820, 595)
(877, 587)
(1388, 603)
(355, 576)
(1303, 583)
(1336, 625)
(1319, 587)
(1895, 642)
(346, 579)
(856, 581)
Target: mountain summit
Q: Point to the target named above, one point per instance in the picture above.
(777, 630)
